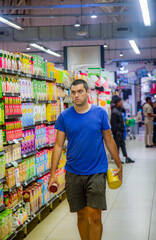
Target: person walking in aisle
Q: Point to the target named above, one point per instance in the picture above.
(117, 126)
(154, 123)
(148, 113)
(85, 126)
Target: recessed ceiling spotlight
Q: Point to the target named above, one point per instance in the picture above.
(93, 15)
(121, 54)
(28, 47)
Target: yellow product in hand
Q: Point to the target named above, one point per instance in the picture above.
(113, 181)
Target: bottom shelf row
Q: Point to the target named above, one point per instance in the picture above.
(27, 204)
(13, 234)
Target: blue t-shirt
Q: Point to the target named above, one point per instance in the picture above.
(85, 152)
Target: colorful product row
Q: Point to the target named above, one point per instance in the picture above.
(43, 161)
(1, 113)
(26, 88)
(39, 112)
(12, 152)
(12, 130)
(40, 135)
(2, 167)
(51, 112)
(12, 105)
(5, 224)
(27, 114)
(9, 84)
(28, 143)
(11, 199)
(1, 140)
(32, 197)
(30, 167)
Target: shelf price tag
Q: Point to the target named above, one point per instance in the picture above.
(17, 177)
(15, 141)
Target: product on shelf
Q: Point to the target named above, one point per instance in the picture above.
(26, 88)
(50, 135)
(60, 173)
(46, 195)
(12, 105)
(10, 174)
(12, 130)
(9, 84)
(1, 140)
(51, 91)
(51, 111)
(11, 199)
(19, 218)
(1, 113)
(30, 167)
(32, 197)
(60, 92)
(39, 88)
(28, 143)
(39, 112)
(2, 167)
(5, 224)
(27, 114)
(13, 152)
(1, 194)
(42, 162)
(40, 133)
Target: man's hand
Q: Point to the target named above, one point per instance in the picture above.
(119, 173)
(53, 179)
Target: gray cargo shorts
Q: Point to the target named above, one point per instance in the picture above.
(86, 190)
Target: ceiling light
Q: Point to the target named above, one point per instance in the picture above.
(134, 46)
(145, 12)
(121, 54)
(77, 24)
(105, 45)
(82, 33)
(28, 47)
(35, 45)
(11, 24)
(93, 15)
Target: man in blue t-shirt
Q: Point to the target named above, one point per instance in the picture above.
(85, 126)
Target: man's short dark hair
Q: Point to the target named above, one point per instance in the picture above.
(80, 81)
(148, 98)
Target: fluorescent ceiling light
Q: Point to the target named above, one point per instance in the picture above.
(43, 49)
(134, 46)
(77, 24)
(145, 12)
(3, 20)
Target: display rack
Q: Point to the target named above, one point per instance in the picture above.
(15, 141)
(37, 214)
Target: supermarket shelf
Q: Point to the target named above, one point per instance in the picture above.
(51, 123)
(19, 205)
(13, 141)
(13, 116)
(8, 165)
(28, 182)
(29, 127)
(2, 180)
(26, 100)
(2, 153)
(19, 73)
(29, 154)
(62, 85)
(2, 208)
(41, 122)
(10, 189)
(10, 94)
(12, 236)
(42, 147)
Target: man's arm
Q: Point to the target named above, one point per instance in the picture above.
(112, 148)
(57, 151)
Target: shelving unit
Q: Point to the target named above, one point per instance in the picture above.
(28, 182)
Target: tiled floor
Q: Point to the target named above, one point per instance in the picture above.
(131, 213)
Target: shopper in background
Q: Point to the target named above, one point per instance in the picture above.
(117, 126)
(85, 126)
(154, 124)
(148, 113)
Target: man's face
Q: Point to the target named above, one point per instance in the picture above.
(150, 101)
(79, 94)
(120, 104)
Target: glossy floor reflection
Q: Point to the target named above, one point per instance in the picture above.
(131, 213)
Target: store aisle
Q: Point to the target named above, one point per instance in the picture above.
(131, 210)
